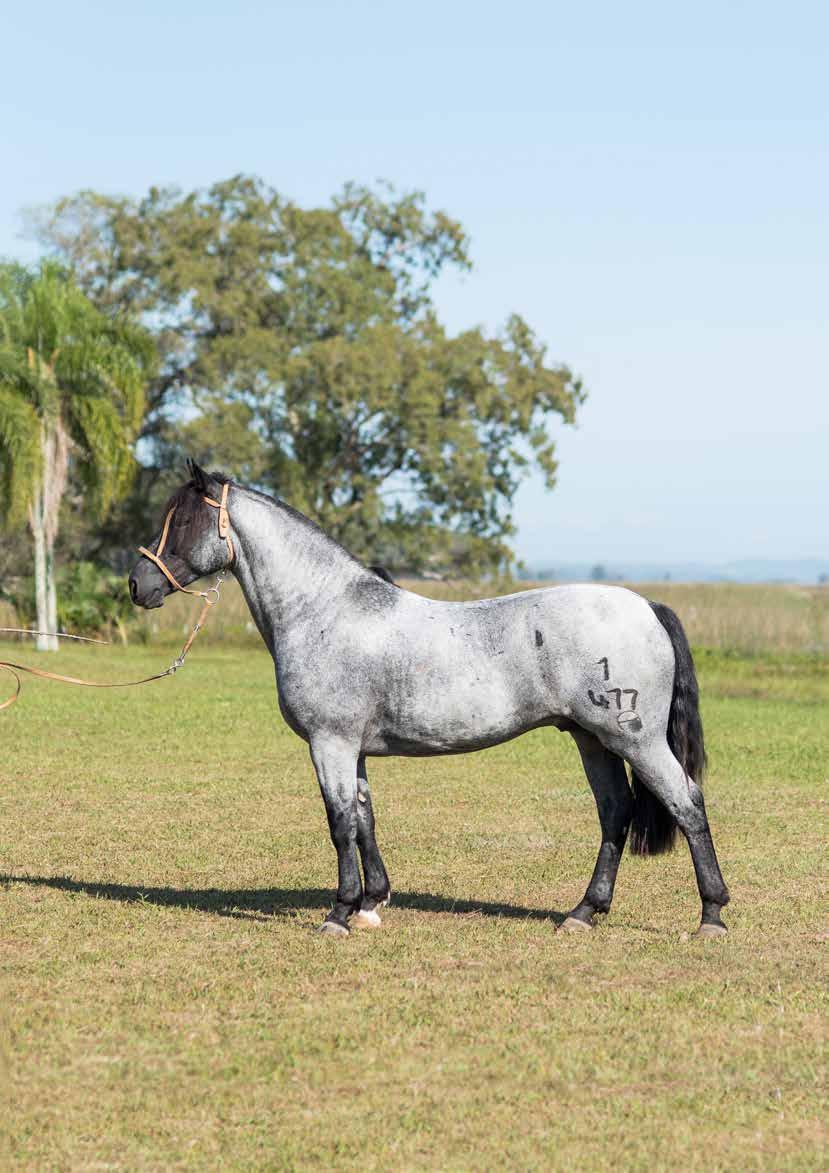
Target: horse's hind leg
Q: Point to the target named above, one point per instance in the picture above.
(614, 801)
(665, 777)
(377, 888)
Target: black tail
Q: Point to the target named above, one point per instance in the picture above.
(653, 829)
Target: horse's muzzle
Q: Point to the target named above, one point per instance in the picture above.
(148, 587)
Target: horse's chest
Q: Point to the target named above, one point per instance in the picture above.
(300, 694)
(315, 694)
(292, 716)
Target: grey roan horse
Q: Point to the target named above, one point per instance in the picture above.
(365, 669)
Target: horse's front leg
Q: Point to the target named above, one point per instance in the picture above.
(336, 765)
(377, 887)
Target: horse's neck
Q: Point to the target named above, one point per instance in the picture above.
(285, 566)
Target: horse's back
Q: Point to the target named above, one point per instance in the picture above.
(572, 619)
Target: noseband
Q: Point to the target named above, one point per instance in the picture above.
(224, 532)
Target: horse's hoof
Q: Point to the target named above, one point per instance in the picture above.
(385, 903)
(707, 931)
(366, 918)
(332, 929)
(574, 925)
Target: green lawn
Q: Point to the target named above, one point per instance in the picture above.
(169, 1005)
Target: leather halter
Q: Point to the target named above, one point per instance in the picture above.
(224, 532)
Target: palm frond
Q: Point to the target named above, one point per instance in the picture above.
(19, 454)
(105, 459)
(101, 366)
(64, 363)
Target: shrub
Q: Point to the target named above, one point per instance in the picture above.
(91, 600)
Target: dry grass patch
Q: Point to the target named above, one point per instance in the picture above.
(168, 1004)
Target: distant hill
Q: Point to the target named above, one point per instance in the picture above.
(807, 571)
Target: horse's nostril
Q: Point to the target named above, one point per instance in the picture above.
(133, 590)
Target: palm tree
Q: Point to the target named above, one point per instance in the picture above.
(71, 390)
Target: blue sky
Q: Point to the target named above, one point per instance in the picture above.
(646, 183)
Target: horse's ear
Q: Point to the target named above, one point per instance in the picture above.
(197, 475)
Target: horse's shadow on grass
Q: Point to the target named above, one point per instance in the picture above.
(266, 903)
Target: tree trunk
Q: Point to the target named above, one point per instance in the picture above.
(55, 471)
(43, 519)
(51, 594)
(41, 592)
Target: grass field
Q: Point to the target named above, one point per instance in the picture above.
(167, 1003)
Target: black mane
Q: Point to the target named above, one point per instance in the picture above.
(190, 518)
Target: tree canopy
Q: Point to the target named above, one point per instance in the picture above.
(300, 350)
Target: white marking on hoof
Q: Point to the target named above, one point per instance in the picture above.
(366, 918)
(574, 925)
(709, 931)
(332, 929)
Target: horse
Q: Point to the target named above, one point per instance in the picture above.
(366, 669)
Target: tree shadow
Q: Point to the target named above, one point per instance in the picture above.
(265, 903)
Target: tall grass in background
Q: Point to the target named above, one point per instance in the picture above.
(728, 617)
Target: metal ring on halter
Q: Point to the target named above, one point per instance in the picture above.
(212, 591)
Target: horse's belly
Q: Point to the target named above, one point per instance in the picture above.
(432, 744)
(469, 713)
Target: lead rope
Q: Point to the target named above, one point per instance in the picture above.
(14, 669)
(224, 526)
(85, 639)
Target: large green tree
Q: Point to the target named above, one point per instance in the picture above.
(300, 349)
(71, 395)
